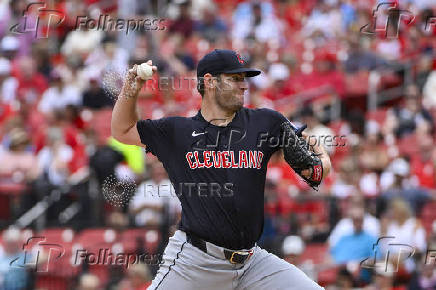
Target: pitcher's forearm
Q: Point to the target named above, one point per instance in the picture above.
(124, 115)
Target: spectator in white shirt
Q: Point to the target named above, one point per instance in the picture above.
(404, 234)
(404, 227)
(256, 21)
(53, 159)
(345, 226)
(8, 84)
(154, 199)
(59, 95)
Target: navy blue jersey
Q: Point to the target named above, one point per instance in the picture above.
(218, 172)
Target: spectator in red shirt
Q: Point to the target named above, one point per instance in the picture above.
(279, 173)
(184, 24)
(424, 164)
(31, 84)
(70, 135)
(279, 89)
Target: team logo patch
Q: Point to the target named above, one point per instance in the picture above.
(317, 173)
(241, 61)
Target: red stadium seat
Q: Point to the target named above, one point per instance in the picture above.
(58, 235)
(404, 145)
(49, 282)
(315, 252)
(56, 270)
(378, 115)
(97, 242)
(356, 84)
(150, 237)
(94, 240)
(96, 236)
(328, 276)
(389, 80)
(101, 271)
(336, 126)
(63, 237)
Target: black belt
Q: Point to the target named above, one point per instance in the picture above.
(234, 257)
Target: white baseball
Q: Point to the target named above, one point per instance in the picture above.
(144, 71)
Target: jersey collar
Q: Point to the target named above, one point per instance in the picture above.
(236, 121)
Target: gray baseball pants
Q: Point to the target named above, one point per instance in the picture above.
(187, 267)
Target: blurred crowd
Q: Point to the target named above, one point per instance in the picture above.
(364, 82)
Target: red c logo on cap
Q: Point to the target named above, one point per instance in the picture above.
(241, 61)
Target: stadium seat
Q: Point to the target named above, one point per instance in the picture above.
(389, 80)
(58, 235)
(377, 115)
(327, 276)
(48, 281)
(94, 241)
(357, 84)
(315, 252)
(96, 236)
(150, 237)
(404, 145)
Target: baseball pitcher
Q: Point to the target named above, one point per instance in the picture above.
(217, 162)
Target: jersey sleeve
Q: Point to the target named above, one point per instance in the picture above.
(156, 135)
(276, 120)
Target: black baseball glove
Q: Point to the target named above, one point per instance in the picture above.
(298, 156)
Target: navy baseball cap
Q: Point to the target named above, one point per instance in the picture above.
(223, 61)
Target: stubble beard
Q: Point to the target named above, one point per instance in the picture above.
(233, 105)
